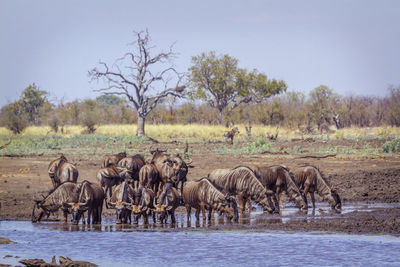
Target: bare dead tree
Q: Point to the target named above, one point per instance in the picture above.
(138, 74)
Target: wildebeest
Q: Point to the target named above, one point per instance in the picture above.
(54, 201)
(202, 195)
(231, 134)
(310, 180)
(149, 177)
(171, 169)
(109, 177)
(110, 160)
(60, 170)
(87, 197)
(166, 203)
(121, 201)
(132, 164)
(279, 179)
(243, 183)
(142, 204)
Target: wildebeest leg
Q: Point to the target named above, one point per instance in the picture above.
(172, 213)
(312, 200)
(278, 196)
(89, 214)
(145, 218)
(65, 215)
(203, 212)
(83, 217)
(188, 211)
(197, 214)
(210, 215)
(242, 203)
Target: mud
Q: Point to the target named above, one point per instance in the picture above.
(360, 178)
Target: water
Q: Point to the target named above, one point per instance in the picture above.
(125, 245)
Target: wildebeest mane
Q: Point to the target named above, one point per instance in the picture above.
(55, 188)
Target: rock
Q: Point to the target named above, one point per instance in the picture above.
(5, 241)
(64, 261)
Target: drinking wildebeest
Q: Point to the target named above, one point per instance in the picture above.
(279, 179)
(88, 197)
(109, 177)
(132, 164)
(310, 180)
(202, 196)
(54, 201)
(110, 160)
(142, 204)
(149, 177)
(165, 204)
(243, 183)
(60, 170)
(121, 201)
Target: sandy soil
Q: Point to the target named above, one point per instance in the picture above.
(358, 178)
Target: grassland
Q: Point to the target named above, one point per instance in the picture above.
(114, 138)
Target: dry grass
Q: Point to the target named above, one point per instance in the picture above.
(196, 132)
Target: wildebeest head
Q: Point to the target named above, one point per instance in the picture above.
(180, 167)
(136, 207)
(161, 213)
(38, 211)
(334, 200)
(230, 209)
(76, 210)
(122, 210)
(267, 202)
(301, 202)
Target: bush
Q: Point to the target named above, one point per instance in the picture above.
(15, 119)
(392, 146)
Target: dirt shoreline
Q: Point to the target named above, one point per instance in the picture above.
(366, 179)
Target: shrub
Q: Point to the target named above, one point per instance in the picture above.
(392, 146)
(15, 119)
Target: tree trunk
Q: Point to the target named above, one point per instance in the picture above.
(140, 126)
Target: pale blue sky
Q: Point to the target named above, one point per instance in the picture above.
(350, 46)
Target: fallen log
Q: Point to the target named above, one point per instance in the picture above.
(317, 157)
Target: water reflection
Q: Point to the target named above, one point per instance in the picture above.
(256, 218)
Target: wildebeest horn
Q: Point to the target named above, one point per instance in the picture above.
(67, 204)
(110, 205)
(189, 162)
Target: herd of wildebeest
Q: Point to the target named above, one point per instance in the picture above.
(139, 188)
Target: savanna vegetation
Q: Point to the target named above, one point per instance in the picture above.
(213, 96)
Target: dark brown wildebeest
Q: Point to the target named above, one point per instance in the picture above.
(109, 177)
(165, 204)
(60, 170)
(149, 177)
(121, 201)
(110, 160)
(180, 168)
(279, 179)
(202, 195)
(243, 183)
(310, 180)
(171, 169)
(88, 197)
(132, 164)
(142, 204)
(54, 201)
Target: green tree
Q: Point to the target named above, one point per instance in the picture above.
(218, 81)
(320, 105)
(31, 101)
